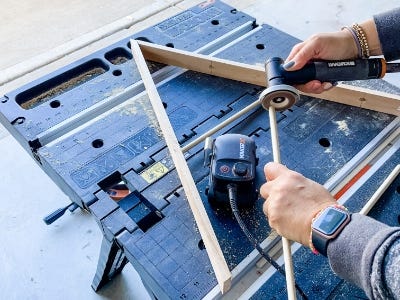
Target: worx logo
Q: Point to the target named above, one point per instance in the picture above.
(341, 63)
(242, 144)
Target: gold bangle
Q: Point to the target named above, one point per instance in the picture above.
(362, 39)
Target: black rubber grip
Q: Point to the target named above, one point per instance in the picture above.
(330, 71)
(55, 215)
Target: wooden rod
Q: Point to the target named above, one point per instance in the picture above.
(379, 192)
(254, 74)
(287, 253)
(207, 233)
(220, 126)
(273, 124)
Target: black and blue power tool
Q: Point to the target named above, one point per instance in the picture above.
(232, 160)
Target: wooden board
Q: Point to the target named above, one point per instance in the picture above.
(204, 63)
(214, 251)
(362, 97)
(346, 94)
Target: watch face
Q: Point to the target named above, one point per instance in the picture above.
(329, 221)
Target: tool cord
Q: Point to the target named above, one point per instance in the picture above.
(232, 191)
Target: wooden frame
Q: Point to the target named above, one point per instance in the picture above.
(346, 94)
(254, 74)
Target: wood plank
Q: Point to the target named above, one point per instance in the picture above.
(362, 97)
(254, 74)
(214, 251)
(204, 63)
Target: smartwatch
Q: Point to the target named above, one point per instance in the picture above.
(327, 227)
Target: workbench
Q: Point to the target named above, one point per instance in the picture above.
(89, 126)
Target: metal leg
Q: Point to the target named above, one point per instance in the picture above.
(111, 262)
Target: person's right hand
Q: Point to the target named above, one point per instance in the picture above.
(323, 46)
(291, 202)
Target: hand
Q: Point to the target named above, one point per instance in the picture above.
(327, 46)
(291, 202)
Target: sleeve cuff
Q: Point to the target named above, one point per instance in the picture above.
(388, 26)
(352, 252)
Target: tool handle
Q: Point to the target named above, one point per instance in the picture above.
(55, 215)
(343, 70)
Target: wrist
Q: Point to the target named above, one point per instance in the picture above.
(311, 216)
(372, 37)
(365, 39)
(353, 49)
(326, 226)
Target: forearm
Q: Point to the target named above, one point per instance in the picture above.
(359, 255)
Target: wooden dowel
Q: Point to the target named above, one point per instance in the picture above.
(287, 253)
(207, 233)
(273, 125)
(220, 126)
(375, 197)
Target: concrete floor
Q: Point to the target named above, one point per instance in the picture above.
(59, 261)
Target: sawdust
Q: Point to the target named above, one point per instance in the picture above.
(342, 126)
(264, 151)
(114, 92)
(154, 66)
(52, 158)
(118, 60)
(68, 84)
(303, 125)
(139, 106)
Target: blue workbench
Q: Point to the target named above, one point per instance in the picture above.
(89, 125)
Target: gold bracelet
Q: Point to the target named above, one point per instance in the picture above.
(362, 39)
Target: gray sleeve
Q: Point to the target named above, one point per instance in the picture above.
(388, 26)
(367, 254)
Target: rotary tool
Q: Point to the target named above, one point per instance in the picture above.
(279, 80)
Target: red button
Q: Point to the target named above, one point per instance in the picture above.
(224, 169)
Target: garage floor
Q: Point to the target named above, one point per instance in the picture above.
(38, 36)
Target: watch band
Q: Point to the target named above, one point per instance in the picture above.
(327, 226)
(320, 243)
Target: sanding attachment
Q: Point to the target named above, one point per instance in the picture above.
(280, 96)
